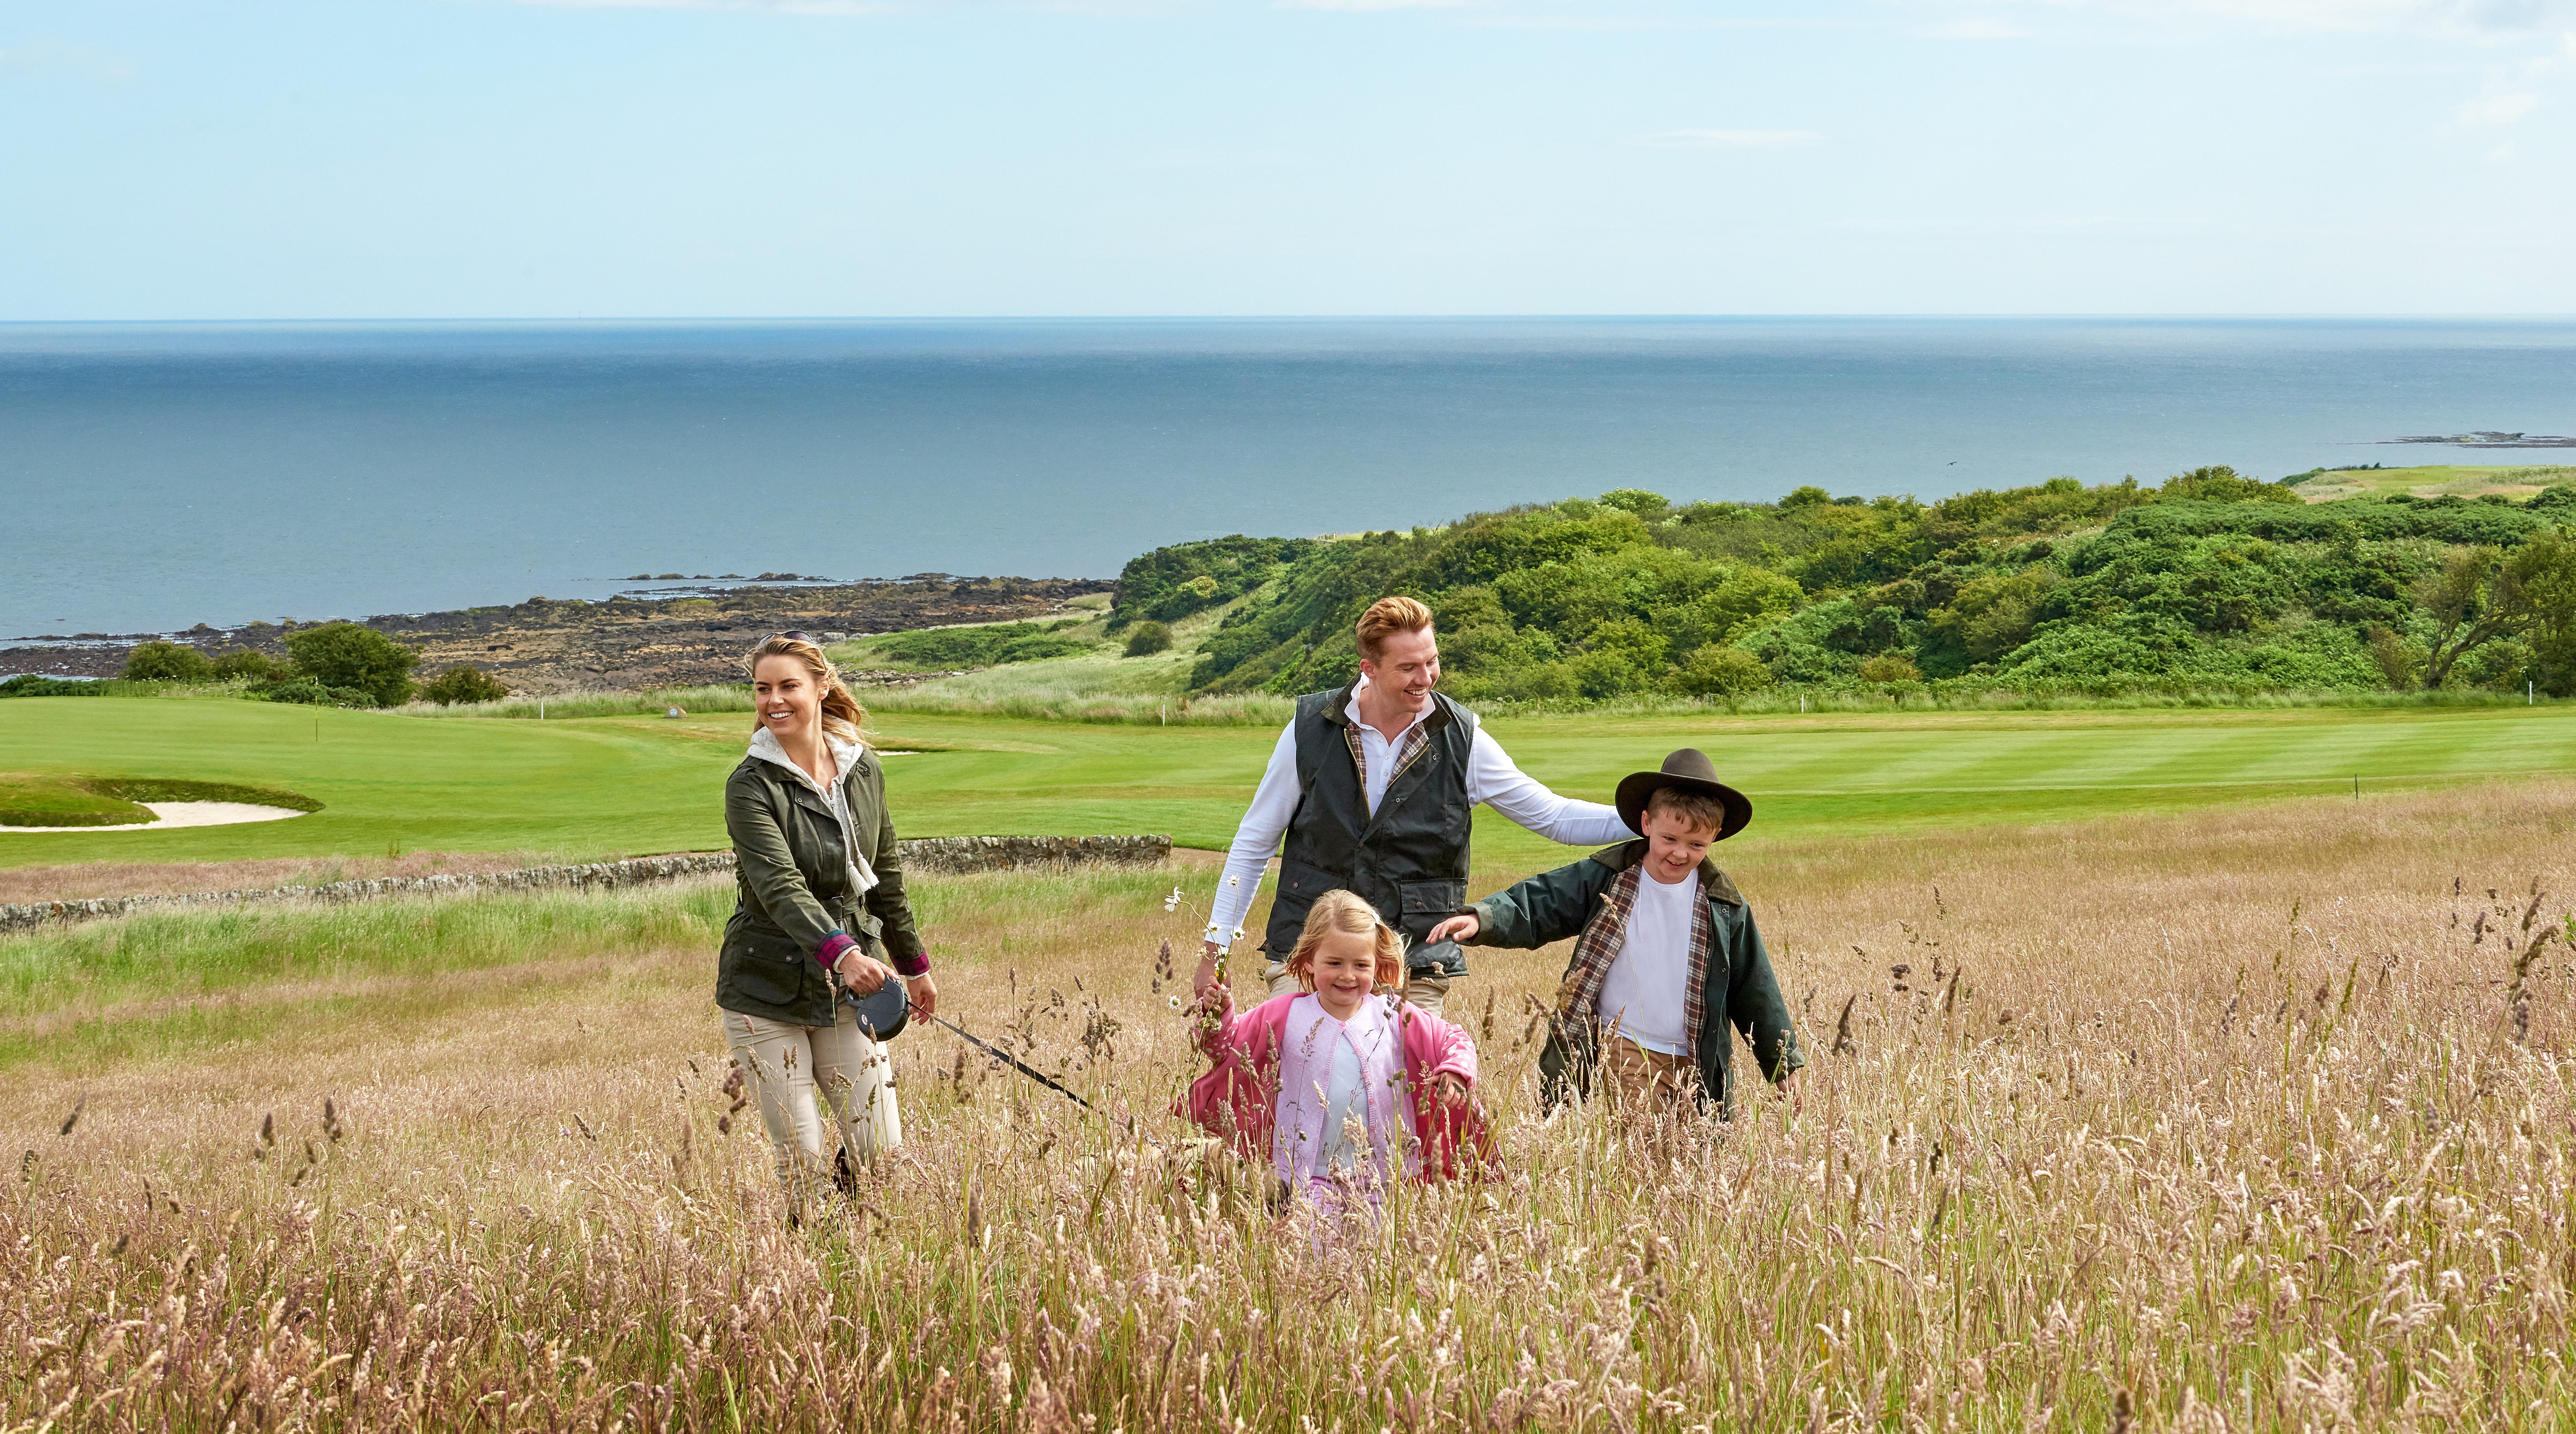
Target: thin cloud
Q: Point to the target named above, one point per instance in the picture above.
(2425, 17)
(1367, 6)
(1730, 139)
(43, 57)
(2498, 109)
(745, 7)
(1979, 27)
(1635, 23)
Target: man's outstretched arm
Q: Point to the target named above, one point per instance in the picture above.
(1274, 802)
(1493, 780)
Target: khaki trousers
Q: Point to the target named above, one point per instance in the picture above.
(1424, 992)
(1648, 1082)
(786, 1066)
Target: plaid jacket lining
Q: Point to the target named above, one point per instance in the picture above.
(1578, 1000)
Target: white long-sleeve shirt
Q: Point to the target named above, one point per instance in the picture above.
(1492, 781)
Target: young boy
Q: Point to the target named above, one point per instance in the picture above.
(1666, 956)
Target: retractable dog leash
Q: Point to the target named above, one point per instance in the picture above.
(887, 1010)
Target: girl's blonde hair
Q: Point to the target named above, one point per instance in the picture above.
(1343, 911)
(842, 714)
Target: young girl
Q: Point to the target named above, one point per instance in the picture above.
(1343, 1083)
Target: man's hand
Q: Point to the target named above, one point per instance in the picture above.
(862, 973)
(1788, 1086)
(925, 994)
(1461, 927)
(1449, 1089)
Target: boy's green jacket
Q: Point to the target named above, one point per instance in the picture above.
(1741, 993)
(793, 873)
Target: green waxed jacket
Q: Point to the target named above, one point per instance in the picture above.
(1741, 993)
(793, 876)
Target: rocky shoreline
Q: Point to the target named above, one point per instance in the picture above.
(622, 643)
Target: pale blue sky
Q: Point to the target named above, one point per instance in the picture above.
(369, 158)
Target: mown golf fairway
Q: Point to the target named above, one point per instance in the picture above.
(628, 785)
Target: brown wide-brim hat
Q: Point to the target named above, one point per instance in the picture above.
(1689, 770)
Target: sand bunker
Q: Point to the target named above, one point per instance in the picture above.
(184, 814)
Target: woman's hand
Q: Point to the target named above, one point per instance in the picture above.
(1204, 979)
(862, 973)
(925, 994)
(1461, 927)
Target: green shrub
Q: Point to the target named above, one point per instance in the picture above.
(311, 693)
(1637, 501)
(1890, 667)
(167, 662)
(248, 664)
(347, 656)
(28, 684)
(1719, 671)
(2220, 484)
(463, 684)
(1147, 638)
(989, 645)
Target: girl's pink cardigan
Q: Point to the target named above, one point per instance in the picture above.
(1237, 1097)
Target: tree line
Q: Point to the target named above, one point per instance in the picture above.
(2209, 581)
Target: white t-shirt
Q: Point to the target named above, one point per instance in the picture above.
(1650, 977)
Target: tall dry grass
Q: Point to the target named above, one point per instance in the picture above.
(2254, 1120)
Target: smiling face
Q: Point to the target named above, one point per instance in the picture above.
(1344, 970)
(1406, 668)
(786, 697)
(1675, 845)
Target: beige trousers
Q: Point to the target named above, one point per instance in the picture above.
(786, 1066)
(1424, 992)
(1647, 1081)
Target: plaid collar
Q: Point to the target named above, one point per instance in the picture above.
(1578, 999)
(1408, 749)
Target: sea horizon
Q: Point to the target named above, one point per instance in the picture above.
(164, 473)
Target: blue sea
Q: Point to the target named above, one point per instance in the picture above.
(160, 475)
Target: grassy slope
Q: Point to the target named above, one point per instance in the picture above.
(2519, 481)
(39, 799)
(630, 785)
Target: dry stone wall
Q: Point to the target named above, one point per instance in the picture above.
(933, 855)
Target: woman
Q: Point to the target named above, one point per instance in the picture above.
(821, 906)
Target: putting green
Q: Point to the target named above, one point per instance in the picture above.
(600, 786)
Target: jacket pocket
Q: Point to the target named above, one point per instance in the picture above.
(1440, 897)
(1305, 883)
(767, 969)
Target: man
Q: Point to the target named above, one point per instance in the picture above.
(1371, 786)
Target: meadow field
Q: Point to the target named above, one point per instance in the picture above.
(2254, 1116)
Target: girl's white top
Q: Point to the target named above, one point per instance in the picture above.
(1341, 1106)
